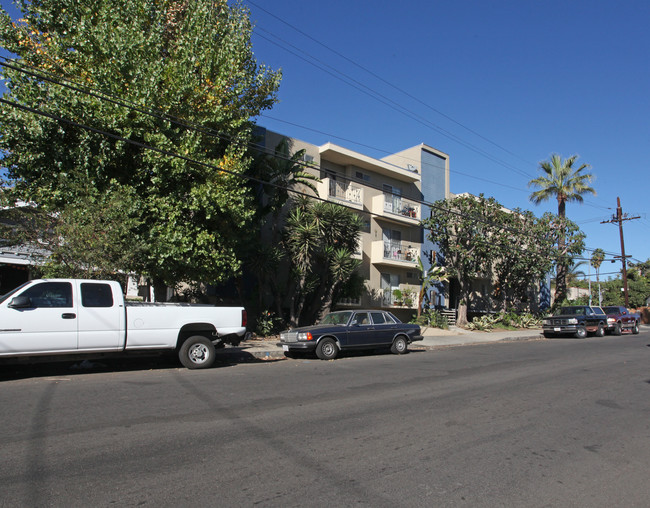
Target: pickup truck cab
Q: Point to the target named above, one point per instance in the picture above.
(576, 320)
(620, 319)
(53, 317)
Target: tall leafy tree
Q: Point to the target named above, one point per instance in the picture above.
(565, 182)
(460, 227)
(512, 249)
(526, 249)
(190, 61)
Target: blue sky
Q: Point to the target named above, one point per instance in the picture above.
(499, 86)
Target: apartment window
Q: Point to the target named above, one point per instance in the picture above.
(389, 282)
(365, 228)
(361, 176)
(392, 198)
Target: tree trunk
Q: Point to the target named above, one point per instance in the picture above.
(560, 278)
(159, 290)
(461, 318)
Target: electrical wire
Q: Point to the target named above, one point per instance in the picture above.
(383, 80)
(131, 106)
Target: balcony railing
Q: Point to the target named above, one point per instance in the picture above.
(346, 192)
(401, 206)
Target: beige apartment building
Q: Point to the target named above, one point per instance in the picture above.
(391, 195)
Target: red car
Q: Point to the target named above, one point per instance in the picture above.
(620, 319)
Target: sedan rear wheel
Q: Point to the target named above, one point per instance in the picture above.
(400, 346)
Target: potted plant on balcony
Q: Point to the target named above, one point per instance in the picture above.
(408, 295)
(397, 295)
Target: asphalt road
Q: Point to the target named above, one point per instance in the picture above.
(559, 422)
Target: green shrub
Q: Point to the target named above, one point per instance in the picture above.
(268, 324)
(432, 318)
(508, 319)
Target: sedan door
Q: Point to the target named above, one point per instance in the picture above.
(385, 328)
(361, 331)
(45, 321)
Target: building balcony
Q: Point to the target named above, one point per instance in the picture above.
(397, 254)
(349, 193)
(408, 300)
(396, 208)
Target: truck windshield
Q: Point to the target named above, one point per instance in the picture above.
(571, 311)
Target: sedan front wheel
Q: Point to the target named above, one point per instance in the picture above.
(327, 349)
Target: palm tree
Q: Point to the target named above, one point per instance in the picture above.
(566, 183)
(429, 277)
(574, 272)
(597, 259)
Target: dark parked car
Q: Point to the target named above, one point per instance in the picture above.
(347, 329)
(577, 320)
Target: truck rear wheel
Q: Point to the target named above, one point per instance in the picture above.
(197, 352)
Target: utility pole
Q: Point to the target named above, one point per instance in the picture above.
(618, 218)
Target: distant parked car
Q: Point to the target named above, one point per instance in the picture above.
(620, 319)
(346, 330)
(576, 320)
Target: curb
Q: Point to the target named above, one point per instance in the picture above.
(256, 352)
(430, 347)
(243, 355)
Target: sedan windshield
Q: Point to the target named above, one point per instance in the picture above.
(336, 318)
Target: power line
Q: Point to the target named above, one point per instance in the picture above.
(402, 109)
(131, 106)
(380, 78)
(397, 107)
(169, 153)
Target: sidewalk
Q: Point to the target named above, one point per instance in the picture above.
(265, 349)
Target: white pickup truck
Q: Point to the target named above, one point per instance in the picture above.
(47, 317)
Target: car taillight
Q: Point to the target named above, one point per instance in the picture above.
(244, 318)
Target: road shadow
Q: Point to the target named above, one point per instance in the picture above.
(15, 370)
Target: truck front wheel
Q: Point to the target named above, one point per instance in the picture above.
(197, 352)
(581, 332)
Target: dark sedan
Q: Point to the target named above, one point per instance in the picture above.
(347, 329)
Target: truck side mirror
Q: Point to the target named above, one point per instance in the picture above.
(20, 302)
